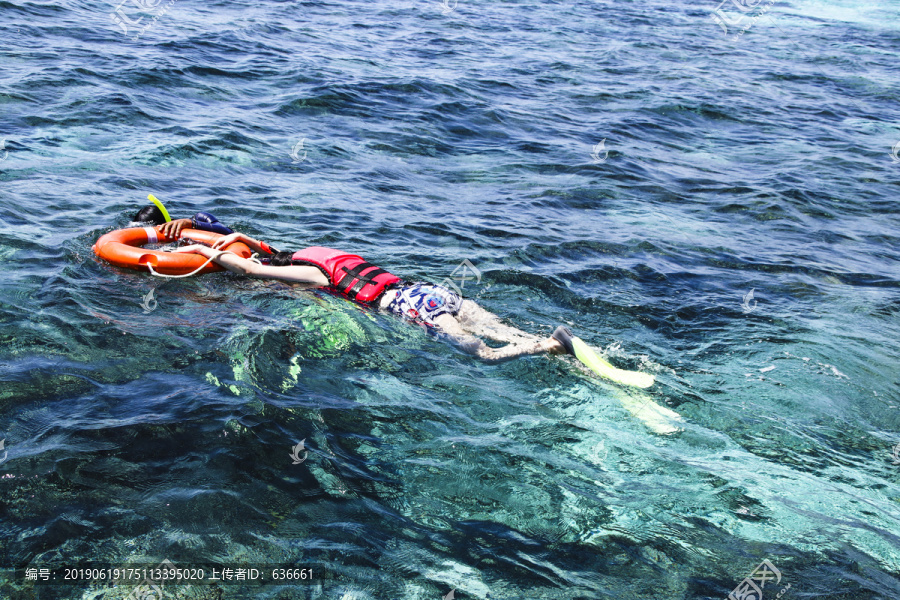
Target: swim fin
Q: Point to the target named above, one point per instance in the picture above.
(582, 352)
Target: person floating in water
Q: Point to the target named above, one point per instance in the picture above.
(434, 306)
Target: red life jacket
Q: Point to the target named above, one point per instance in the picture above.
(348, 273)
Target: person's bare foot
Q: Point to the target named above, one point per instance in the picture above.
(563, 336)
(553, 346)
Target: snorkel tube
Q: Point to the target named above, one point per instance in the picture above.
(160, 206)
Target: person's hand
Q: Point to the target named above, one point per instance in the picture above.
(172, 230)
(226, 241)
(192, 249)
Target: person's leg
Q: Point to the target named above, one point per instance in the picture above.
(473, 345)
(479, 321)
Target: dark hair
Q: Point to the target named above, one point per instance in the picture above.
(150, 214)
(281, 259)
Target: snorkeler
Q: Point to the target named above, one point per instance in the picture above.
(434, 306)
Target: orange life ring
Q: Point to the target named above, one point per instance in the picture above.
(123, 248)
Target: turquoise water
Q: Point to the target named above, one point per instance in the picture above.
(433, 134)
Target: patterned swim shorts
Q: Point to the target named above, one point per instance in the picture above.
(421, 302)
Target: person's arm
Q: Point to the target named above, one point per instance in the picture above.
(243, 266)
(255, 245)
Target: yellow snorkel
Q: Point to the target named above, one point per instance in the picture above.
(160, 206)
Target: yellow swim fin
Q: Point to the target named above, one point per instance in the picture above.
(582, 352)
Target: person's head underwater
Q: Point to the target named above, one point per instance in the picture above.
(281, 259)
(150, 214)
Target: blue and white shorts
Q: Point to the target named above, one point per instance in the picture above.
(421, 302)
